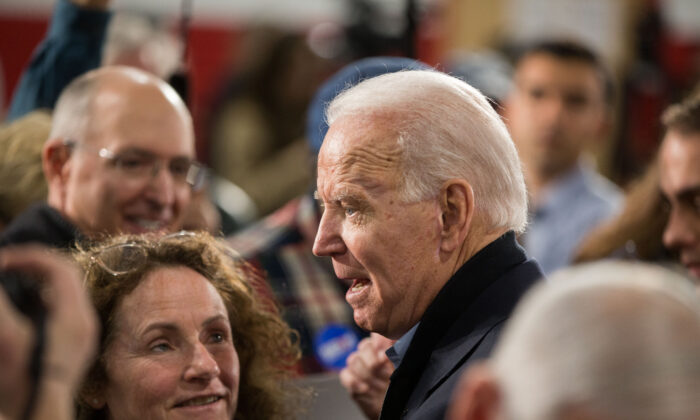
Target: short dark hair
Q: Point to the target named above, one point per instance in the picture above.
(685, 115)
(570, 50)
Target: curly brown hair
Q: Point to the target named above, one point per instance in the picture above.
(267, 348)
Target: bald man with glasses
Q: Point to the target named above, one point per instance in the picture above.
(119, 159)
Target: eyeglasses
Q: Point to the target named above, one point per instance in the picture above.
(121, 259)
(141, 164)
(125, 258)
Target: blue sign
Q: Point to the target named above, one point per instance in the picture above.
(333, 344)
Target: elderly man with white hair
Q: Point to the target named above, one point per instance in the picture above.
(611, 340)
(423, 194)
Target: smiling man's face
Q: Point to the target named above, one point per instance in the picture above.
(679, 160)
(130, 120)
(387, 248)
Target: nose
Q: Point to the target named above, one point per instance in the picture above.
(328, 240)
(202, 366)
(162, 185)
(678, 233)
(553, 111)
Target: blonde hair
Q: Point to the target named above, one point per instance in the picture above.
(21, 171)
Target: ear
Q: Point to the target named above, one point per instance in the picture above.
(54, 159)
(93, 398)
(477, 396)
(457, 208)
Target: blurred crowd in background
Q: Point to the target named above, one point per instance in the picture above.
(256, 81)
(237, 61)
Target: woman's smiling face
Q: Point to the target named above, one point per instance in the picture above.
(172, 354)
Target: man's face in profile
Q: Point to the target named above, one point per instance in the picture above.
(131, 125)
(679, 162)
(385, 248)
(556, 108)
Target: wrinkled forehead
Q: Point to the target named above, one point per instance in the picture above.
(362, 146)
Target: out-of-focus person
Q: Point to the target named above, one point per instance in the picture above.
(21, 173)
(72, 46)
(679, 169)
(607, 340)
(560, 105)
(119, 158)
(184, 334)
(69, 337)
(636, 231)
(423, 193)
(312, 297)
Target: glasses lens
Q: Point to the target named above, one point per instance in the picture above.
(122, 258)
(196, 176)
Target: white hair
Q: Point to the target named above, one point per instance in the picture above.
(73, 110)
(447, 129)
(618, 339)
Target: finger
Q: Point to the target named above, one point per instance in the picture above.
(351, 383)
(385, 370)
(58, 274)
(380, 342)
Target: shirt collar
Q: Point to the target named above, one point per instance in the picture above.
(564, 190)
(396, 352)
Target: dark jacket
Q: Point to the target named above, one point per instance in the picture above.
(460, 326)
(42, 224)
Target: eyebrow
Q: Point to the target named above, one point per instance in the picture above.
(169, 326)
(688, 192)
(144, 152)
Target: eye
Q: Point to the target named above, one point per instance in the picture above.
(219, 336)
(576, 100)
(180, 167)
(696, 203)
(131, 163)
(349, 211)
(160, 347)
(536, 93)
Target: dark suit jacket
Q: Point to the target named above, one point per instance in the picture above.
(460, 326)
(41, 224)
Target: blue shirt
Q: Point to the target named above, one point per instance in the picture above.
(568, 211)
(396, 352)
(73, 46)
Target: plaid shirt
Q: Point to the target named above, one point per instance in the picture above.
(310, 295)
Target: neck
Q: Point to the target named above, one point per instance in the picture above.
(475, 243)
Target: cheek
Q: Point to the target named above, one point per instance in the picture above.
(183, 197)
(230, 368)
(138, 385)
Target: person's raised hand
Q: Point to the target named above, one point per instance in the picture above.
(366, 376)
(70, 331)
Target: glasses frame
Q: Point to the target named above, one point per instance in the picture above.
(196, 177)
(97, 257)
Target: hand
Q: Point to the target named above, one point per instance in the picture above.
(367, 374)
(71, 331)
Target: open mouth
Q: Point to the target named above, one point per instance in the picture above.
(199, 401)
(359, 284)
